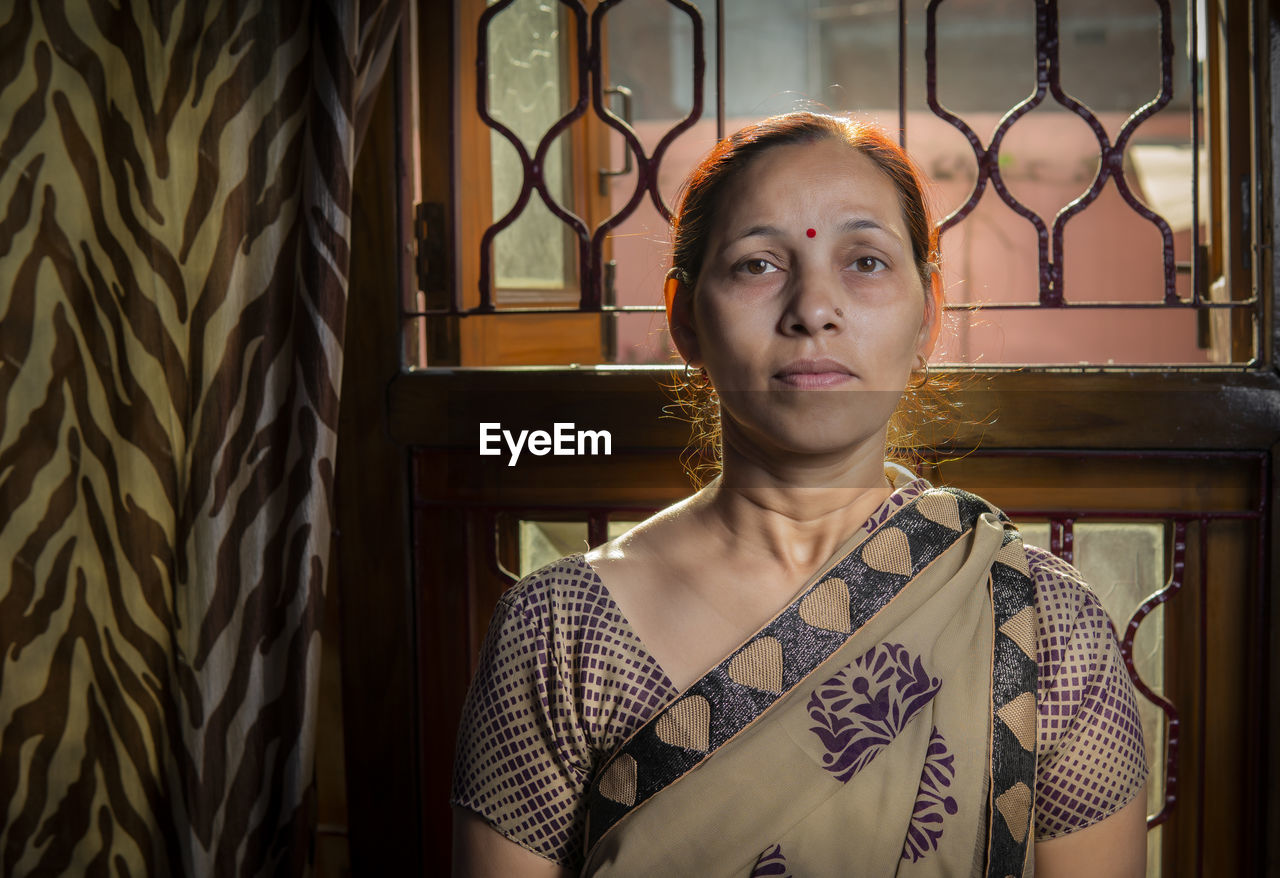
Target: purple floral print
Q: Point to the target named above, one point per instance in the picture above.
(770, 863)
(860, 710)
(925, 830)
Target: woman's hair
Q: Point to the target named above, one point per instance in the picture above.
(700, 203)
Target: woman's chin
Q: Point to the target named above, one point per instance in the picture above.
(808, 430)
(822, 446)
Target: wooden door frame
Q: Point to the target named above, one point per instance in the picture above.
(394, 711)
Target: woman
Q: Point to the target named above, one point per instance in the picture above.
(817, 664)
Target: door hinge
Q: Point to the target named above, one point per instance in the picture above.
(429, 237)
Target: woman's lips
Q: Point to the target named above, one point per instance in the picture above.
(810, 374)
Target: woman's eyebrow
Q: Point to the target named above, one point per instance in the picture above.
(756, 232)
(863, 224)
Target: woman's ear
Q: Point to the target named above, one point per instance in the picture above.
(679, 300)
(931, 324)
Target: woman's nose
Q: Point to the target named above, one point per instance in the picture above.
(813, 306)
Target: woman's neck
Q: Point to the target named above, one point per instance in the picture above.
(795, 512)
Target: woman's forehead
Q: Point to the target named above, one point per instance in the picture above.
(810, 183)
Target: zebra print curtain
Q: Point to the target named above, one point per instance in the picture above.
(175, 203)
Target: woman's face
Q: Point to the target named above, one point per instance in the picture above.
(809, 312)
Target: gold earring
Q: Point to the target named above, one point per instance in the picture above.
(696, 378)
(924, 375)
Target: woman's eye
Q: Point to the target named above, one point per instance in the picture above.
(757, 266)
(868, 264)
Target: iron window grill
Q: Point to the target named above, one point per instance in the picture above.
(585, 63)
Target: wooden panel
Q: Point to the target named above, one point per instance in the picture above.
(471, 162)
(1267, 672)
(1183, 840)
(1267, 120)
(1001, 410)
(633, 480)
(333, 847)
(552, 339)
(1068, 481)
(1229, 807)
(445, 556)
(379, 693)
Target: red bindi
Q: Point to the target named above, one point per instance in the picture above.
(811, 233)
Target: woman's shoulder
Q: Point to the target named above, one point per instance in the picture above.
(1090, 755)
(565, 602)
(538, 711)
(1060, 586)
(568, 608)
(1066, 608)
(565, 581)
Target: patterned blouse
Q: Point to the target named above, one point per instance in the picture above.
(563, 680)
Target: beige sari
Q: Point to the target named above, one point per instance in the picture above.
(882, 724)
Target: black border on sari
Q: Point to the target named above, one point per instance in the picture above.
(1013, 672)
(805, 648)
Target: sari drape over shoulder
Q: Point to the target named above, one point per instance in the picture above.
(884, 723)
(932, 686)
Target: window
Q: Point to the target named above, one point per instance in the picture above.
(1071, 232)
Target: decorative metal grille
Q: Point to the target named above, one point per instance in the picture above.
(587, 63)
(1111, 166)
(590, 85)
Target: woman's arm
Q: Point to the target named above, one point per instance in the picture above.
(1112, 848)
(480, 851)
